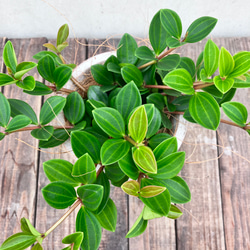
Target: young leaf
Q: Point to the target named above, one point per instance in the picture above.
(51, 108)
(74, 108)
(84, 170)
(60, 48)
(226, 63)
(149, 214)
(126, 49)
(174, 212)
(138, 228)
(181, 80)
(89, 225)
(211, 57)
(223, 85)
(59, 194)
(46, 67)
(50, 46)
(23, 68)
(131, 73)
(171, 22)
(199, 29)
(113, 150)
(108, 216)
(9, 57)
(151, 191)
(6, 80)
(169, 62)
(4, 110)
(102, 75)
(165, 148)
(27, 84)
(40, 89)
(61, 75)
(110, 121)
(144, 53)
(27, 227)
(74, 239)
(18, 122)
(60, 170)
(144, 157)
(241, 63)
(131, 188)
(91, 195)
(62, 34)
(236, 111)
(2, 135)
(59, 137)
(205, 110)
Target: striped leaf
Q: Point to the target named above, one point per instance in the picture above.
(241, 63)
(61, 75)
(91, 195)
(113, 150)
(149, 214)
(157, 34)
(205, 110)
(189, 65)
(62, 34)
(236, 111)
(181, 80)
(27, 227)
(95, 93)
(145, 53)
(114, 173)
(74, 239)
(131, 187)
(200, 28)
(169, 166)
(102, 75)
(151, 191)
(226, 63)
(59, 194)
(84, 170)
(223, 85)
(74, 108)
(108, 217)
(18, 122)
(83, 142)
(60, 170)
(145, 159)
(59, 137)
(110, 121)
(87, 223)
(46, 67)
(174, 212)
(6, 80)
(22, 68)
(178, 190)
(28, 83)
(211, 57)
(155, 123)
(166, 148)
(157, 99)
(131, 73)
(157, 139)
(126, 49)
(138, 228)
(138, 124)
(169, 62)
(9, 56)
(40, 89)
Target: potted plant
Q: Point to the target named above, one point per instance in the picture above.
(117, 123)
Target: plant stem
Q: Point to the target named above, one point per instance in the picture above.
(127, 138)
(156, 87)
(165, 53)
(147, 64)
(68, 91)
(203, 85)
(78, 84)
(74, 206)
(99, 171)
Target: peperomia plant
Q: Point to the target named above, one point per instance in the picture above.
(117, 126)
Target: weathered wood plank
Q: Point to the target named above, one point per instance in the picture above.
(204, 228)
(19, 161)
(46, 215)
(234, 170)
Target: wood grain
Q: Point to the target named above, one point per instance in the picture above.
(18, 170)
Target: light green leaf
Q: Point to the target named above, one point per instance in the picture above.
(18, 122)
(151, 191)
(174, 212)
(226, 63)
(74, 239)
(62, 34)
(223, 85)
(149, 214)
(211, 57)
(165, 148)
(61, 47)
(241, 63)
(28, 228)
(61, 75)
(131, 187)
(2, 135)
(6, 80)
(131, 73)
(40, 89)
(22, 68)
(27, 84)
(9, 56)
(50, 46)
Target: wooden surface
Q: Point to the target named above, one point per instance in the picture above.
(217, 170)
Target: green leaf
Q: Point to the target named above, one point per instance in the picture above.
(113, 150)
(211, 57)
(2, 135)
(145, 53)
(223, 85)
(126, 49)
(83, 142)
(84, 170)
(102, 75)
(200, 28)
(174, 212)
(59, 137)
(110, 121)
(181, 80)
(61, 75)
(74, 239)
(166, 148)
(149, 214)
(92, 104)
(95, 93)
(9, 56)
(226, 97)
(114, 67)
(108, 216)
(27, 84)
(46, 67)
(226, 63)
(169, 62)
(28, 228)
(18, 122)
(236, 111)
(157, 139)
(241, 63)
(59, 194)
(137, 125)
(18, 241)
(22, 68)
(128, 166)
(131, 187)
(62, 34)
(91, 195)
(157, 34)
(61, 47)
(205, 110)
(182, 102)
(6, 80)
(51, 108)
(19, 107)
(40, 89)
(127, 99)
(151, 191)
(178, 190)
(60, 170)
(213, 90)
(114, 173)
(41, 54)
(160, 204)
(89, 225)
(37, 246)
(131, 73)
(155, 124)
(50, 46)
(171, 22)
(138, 228)
(157, 99)
(188, 64)
(144, 157)
(74, 108)
(165, 121)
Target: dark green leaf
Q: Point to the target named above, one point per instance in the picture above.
(114, 173)
(92, 104)
(61, 75)
(120, 182)
(188, 64)
(95, 93)
(165, 121)
(226, 63)
(241, 63)
(62, 34)
(157, 139)
(165, 148)
(211, 57)
(226, 97)
(9, 56)
(46, 67)
(59, 137)
(27, 84)
(131, 73)
(155, 124)
(59, 194)
(174, 212)
(18, 122)
(157, 99)
(188, 116)
(41, 54)
(145, 53)
(102, 75)
(23, 68)
(213, 91)
(138, 228)
(169, 62)
(74, 239)
(223, 85)
(131, 187)
(40, 89)
(113, 67)
(182, 102)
